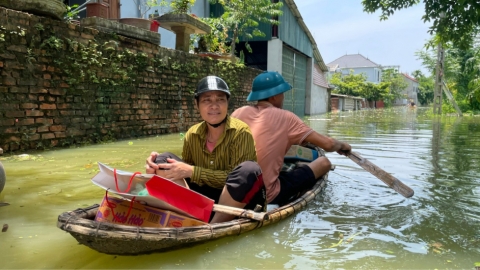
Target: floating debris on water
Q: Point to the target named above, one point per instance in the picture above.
(341, 237)
(437, 247)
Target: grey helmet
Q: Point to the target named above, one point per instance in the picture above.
(211, 83)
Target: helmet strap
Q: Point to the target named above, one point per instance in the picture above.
(218, 124)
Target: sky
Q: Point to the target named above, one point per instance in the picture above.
(342, 27)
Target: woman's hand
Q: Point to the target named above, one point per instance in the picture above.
(175, 170)
(151, 167)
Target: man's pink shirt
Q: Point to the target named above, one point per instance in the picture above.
(274, 131)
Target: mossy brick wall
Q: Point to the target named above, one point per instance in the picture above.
(62, 84)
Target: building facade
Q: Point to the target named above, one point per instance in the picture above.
(358, 64)
(410, 93)
(290, 49)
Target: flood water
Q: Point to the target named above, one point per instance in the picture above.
(357, 222)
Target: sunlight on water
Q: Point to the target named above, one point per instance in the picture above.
(357, 222)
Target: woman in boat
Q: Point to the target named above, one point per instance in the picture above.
(275, 130)
(218, 156)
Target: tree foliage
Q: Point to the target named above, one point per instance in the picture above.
(461, 72)
(470, 79)
(454, 21)
(242, 18)
(351, 84)
(425, 87)
(393, 84)
(216, 40)
(356, 85)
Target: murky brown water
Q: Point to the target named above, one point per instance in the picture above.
(436, 229)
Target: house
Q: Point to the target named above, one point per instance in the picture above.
(290, 49)
(113, 7)
(358, 64)
(409, 93)
(317, 100)
(130, 10)
(346, 103)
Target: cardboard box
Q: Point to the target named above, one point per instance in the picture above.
(300, 153)
(140, 215)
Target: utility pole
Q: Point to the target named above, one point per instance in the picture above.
(437, 98)
(452, 100)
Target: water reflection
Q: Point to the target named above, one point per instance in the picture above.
(357, 222)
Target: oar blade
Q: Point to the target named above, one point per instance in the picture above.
(387, 178)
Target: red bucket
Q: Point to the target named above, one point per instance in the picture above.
(154, 26)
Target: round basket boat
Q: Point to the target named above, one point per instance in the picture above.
(132, 240)
(119, 239)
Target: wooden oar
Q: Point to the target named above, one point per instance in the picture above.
(259, 216)
(387, 178)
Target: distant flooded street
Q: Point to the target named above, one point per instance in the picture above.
(357, 222)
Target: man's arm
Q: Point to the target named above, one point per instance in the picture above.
(328, 144)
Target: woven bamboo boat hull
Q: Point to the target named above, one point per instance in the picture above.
(130, 240)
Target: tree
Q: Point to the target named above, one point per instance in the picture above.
(357, 85)
(394, 84)
(461, 72)
(216, 40)
(374, 91)
(425, 87)
(181, 6)
(242, 18)
(351, 84)
(472, 78)
(451, 66)
(454, 21)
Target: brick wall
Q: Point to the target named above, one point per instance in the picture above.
(43, 103)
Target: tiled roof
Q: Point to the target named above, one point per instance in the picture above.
(409, 77)
(352, 61)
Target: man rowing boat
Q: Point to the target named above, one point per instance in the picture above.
(274, 131)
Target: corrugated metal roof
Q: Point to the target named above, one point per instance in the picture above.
(352, 61)
(292, 34)
(316, 53)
